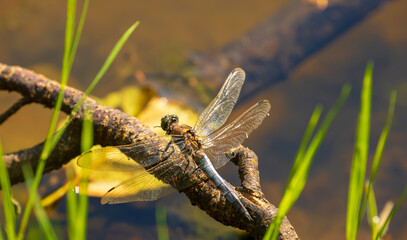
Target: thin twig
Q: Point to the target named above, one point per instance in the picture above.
(13, 109)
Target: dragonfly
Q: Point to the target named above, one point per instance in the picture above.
(207, 144)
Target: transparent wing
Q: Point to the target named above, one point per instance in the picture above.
(107, 159)
(232, 135)
(216, 113)
(147, 166)
(143, 187)
(127, 157)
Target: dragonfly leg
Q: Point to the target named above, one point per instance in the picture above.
(168, 146)
(186, 168)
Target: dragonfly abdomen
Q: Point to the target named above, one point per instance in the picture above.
(205, 164)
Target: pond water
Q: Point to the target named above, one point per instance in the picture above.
(32, 36)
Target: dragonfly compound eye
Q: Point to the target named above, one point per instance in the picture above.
(174, 118)
(168, 120)
(164, 122)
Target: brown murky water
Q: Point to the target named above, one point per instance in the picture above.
(32, 36)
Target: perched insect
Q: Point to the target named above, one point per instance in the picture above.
(206, 143)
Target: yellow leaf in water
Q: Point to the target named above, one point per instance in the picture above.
(131, 100)
(159, 107)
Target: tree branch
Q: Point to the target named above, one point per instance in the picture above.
(113, 127)
(272, 50)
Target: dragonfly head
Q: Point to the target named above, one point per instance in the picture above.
(168, 120)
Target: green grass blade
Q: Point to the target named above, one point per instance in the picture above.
(70, 26)
(78, 34)
(116, 49)
(8, 206)
(391, 215)
(358, 169)
(299, 178)
(69, 33)
(104, 68)
(82, 211)
(306, 138)
(71, 205)
(379, 152)
(87, 132)
(69, 54)
(77, 207)
(42, 217)
(372, 212)
(47, 149)
(71, 196)
(1, 233)
(383, 137)
(101, 72)
(161, 218)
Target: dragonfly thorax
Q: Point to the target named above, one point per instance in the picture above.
(182, 135)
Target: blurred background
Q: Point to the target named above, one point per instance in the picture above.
(32, 36)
